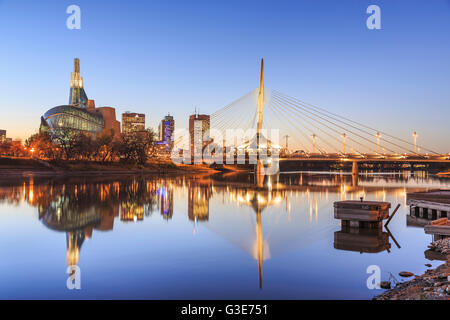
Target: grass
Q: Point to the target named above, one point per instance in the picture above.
(153, 165)
(20, 163)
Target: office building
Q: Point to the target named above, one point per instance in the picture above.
(166, 134)
(2, 136)
(133, 122)
(199, 125)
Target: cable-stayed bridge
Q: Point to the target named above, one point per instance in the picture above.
(306, 133)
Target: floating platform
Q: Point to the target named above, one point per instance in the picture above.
(361, 214)
(429, 205)
(439, 228)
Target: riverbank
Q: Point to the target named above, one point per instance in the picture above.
(434, 284)
(28, 166)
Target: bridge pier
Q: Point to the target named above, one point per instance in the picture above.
(355, 171)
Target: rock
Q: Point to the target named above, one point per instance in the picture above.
(434, 284)
(405, 274)
(442, 246)
(428, 265)
(385, 284)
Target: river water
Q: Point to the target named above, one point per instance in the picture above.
(203, 237)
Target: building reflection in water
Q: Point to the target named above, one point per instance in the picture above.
(198, 203)
(165, 200)
(77, 206)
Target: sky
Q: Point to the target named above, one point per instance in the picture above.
(156, 57)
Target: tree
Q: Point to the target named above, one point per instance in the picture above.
(104, 146)
(4, 148)
(66, 140)
(17, 149)
(135, 146)
(42, 144)
(84, 146)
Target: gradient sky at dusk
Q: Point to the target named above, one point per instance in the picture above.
(170, 56)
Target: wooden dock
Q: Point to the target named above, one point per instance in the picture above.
(429, 205)
(439, 228)
(361, 214)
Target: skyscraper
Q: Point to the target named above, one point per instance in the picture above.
(166, 132)
(2, 136)
(199, 125)
(133, 122)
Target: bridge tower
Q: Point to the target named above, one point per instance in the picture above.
(259, 118)
(260, 103)
(261, 167)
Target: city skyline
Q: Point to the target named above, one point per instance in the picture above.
(324, 55)
(203, 151)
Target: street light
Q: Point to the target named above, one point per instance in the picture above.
(415, 141)
(378, 142)
(344, 136)
(314, 142)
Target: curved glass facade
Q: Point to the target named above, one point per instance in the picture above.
(73, 118)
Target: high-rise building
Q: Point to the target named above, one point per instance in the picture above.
(133, 122)
(199, 125)
(166, 133)
(2, 136)
(81, 113)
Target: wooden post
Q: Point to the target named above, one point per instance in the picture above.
(392, 215)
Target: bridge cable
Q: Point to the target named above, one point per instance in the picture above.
(345, 129)
(273, 109)
(363, 131)
(301, 118)
(330, 128)
(318, 109)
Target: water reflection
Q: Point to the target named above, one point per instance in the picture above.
(362, 240)
(261, 220)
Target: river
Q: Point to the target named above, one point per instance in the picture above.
(203, 236)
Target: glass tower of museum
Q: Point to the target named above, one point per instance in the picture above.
(76, 115)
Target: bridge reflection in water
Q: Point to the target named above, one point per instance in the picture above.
(261, 217)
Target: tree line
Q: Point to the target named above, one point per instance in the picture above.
(66, 144)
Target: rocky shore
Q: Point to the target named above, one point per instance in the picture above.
(434, 284)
